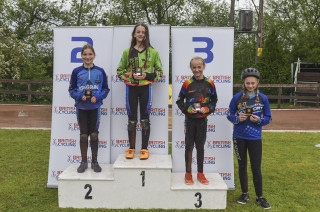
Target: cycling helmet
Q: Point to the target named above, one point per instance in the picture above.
(252, 72)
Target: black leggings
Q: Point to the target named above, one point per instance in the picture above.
(254, 148)
(88, 121)
(141, 94)
(196, 133)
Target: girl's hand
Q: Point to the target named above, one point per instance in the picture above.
(93, 99)
(84, 98)
(137, 77)
(193, 110)
(202, 110)
(254, 118)
(242, 117)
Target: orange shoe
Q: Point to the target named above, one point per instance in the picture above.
(144, 154)
(130, 153)
(188, 178)
(202, 178)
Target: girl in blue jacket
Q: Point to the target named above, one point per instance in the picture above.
(249, 110)
(88, 87)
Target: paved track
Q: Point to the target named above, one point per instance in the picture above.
(33, 116)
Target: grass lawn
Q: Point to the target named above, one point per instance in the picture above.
(290, 170)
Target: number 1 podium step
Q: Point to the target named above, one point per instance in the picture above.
(134, 183)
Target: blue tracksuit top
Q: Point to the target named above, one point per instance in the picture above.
(248, 129)
(94, 79)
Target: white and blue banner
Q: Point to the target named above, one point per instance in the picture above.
(158, 143)
(65, 134)
(215, 45)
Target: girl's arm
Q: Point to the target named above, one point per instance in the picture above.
(184, 107)
(158, 72)
(122, 71)
(232, 117)
(211, 106)
(73, 90)
(105, 89)
(266, 114)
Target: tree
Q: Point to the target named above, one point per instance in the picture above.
(273, 62)
(207, 13)
(146, 11)
(298, 25)
(12, 54)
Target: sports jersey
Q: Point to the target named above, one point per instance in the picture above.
(94, 79)
(197, 91)
(261, 108)
(153, 66)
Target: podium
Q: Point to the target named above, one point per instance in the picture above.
(134, 183)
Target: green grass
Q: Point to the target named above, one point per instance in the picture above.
(290, 170)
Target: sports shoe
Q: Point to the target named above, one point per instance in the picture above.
(188, 178)
(144, 154)
(130, 153)
(83, 166)
(202, 179)
(243, 199)
(263, 202)
(95, 166)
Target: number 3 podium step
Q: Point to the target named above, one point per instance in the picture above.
(138, 184)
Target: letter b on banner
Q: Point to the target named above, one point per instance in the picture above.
(206, 50)
(75, 51)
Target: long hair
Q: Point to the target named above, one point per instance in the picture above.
(145, 42)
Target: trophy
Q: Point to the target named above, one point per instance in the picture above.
(88, 94)
(197, 106)
(139, 71)
(249, 111)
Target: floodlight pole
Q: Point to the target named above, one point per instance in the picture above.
(231, 17)
(259, 33)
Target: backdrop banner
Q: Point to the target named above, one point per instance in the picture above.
(65, 134)
(215, 45)
(158, 143)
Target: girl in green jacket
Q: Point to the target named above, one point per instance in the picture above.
(139, 67)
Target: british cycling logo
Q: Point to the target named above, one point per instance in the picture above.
(158, 112)
(178, 112)
(64, 110)
(73, 127)
(218, 144)
(220, 112)
(180, 144)
(157, 144)
(120, 143)
(55, 173)
(211, 128)
(64, 142)
(76, 159)
(104, 111)
(206, 160)
(115, 79)
(221, 78)
(102, 144)
(226, 176)
(162, 80)
(62, 77)
(181, 78)
(119, 111)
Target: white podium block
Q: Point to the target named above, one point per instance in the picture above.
(134, 183)
(211, 196)
(84, 190)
